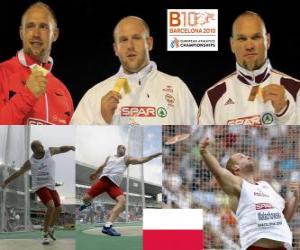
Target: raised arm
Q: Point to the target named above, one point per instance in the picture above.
(141, 160)
(62, 149)
(230, 183)
(292, 204)
(99, 170)
(26, 166)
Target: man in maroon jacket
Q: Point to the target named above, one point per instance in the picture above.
(29, 92)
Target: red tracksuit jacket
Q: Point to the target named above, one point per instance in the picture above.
(19, 106)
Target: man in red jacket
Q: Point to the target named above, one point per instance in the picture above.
(29, 92)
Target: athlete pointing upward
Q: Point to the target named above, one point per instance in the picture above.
(261, 212)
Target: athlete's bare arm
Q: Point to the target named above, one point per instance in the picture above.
(62, 149)
(291, 204)
(134, 161)
(26, 166)
(230, 183)
(98, 171)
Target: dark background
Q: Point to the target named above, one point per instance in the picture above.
(83, 54)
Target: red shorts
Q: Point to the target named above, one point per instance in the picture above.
(45, 194)
(263, 248)
(105, 185)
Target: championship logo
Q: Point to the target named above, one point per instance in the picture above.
(192, 29)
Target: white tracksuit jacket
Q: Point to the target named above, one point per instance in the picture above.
(226, 103)
(155, 99)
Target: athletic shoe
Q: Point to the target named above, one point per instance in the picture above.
(84, 206)
(45, 240)
(51, 234)
(110, 231)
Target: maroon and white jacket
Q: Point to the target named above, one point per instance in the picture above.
(237, 99)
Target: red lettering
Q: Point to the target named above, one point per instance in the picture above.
(260, 206)
(138, 111)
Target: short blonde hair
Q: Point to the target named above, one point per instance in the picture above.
(145, 24)
(40, 5)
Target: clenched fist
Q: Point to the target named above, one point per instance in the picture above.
(276, 94)
(36, 83)
(109, 104)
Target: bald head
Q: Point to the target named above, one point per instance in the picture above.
(132, 43)
(240, 164)
(35, 144)
(40, 5)
(250, 40)
(130, 21)
(248, 16)
(37, 148)
(121, 149)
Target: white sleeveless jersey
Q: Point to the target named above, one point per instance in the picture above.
(260, 215)
(114, 169)
(43, 172)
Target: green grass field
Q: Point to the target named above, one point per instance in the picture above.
(95, 242)
(32, 241)
(61, 234)
(84, 241)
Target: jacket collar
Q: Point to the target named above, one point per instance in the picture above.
(139, 75)
(256, 76)
(27, 61)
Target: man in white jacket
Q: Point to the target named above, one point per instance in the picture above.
(255, 94)
(138, 93)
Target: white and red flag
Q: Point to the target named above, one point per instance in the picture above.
(173, 229)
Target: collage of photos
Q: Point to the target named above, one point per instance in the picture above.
(142, 126)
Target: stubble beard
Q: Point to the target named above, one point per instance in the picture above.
(136, 66)
(41, 56)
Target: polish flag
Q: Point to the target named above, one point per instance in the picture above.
(173, 229)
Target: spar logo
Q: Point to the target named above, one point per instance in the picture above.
(261, 206)
(249, 120)
(142, 111)
(138, 111)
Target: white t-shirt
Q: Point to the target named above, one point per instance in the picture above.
(114, 169)
(259, 215)
(155, 99)
(43, 172)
